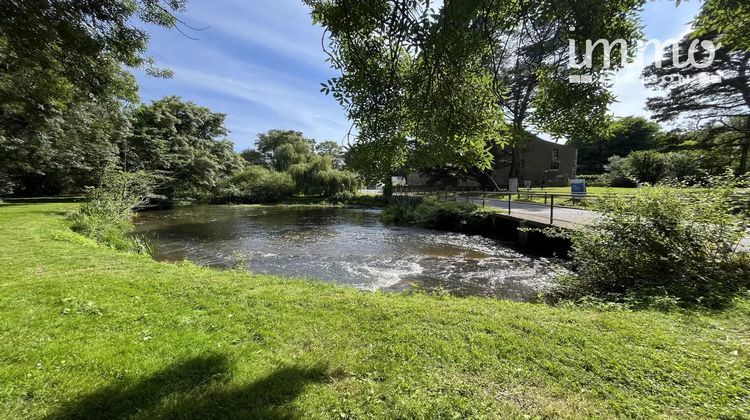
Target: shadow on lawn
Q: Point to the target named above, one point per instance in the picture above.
(184, 390)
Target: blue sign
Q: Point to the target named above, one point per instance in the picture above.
(578, 187)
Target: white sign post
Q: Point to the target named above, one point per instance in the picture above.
(513, 185)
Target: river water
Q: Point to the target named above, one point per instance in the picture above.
(346, 246)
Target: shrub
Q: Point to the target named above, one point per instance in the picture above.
(646, 166)
(662, 242)
(255, 185)
(683, 167)
(651, 167)
(432, 214)
(106, 216)
(617, 173)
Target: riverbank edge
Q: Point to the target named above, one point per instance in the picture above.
(99, 312)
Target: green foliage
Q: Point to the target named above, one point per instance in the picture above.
(106, 215)
(618, 173)
(61, 86)
(290, 152)
(66, 152)
(427, 88)
(728, 18)
(252, 157)
(723, 105)
(432, 214)
(662, 241)
(620, 137)
(646, 166)
(333, 150)
(651, 167)
(255, 185)
(317, 177)
(283, 148)
(182, 142)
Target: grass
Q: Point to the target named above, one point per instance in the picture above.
(590, 190)
(88, 332)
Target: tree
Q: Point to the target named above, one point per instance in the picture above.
(532, 61)
(66, 153)
(333, 150)
(54, 52)
(412, 83)
(715, 94)
(182, 141)
(268, 145)
(621, 137)
(252, 157)
(647, 166)
(420, 88)
(61, 61)
(291, 152)
(728, 18)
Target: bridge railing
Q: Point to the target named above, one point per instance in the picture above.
(506, 199)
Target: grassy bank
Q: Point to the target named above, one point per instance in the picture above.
(89, 332)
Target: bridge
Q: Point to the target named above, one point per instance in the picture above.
(565, 211)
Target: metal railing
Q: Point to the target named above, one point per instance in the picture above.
(547, 199)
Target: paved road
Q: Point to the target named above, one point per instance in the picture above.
(561, 216)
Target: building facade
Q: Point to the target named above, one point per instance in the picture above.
(542, 164)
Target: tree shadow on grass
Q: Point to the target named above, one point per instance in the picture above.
(197, 388)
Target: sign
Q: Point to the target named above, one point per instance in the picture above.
(578, 188)
(527, 183)
(513, 185)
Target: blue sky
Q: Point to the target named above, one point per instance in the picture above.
(260, 62)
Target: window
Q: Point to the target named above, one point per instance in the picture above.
(555, 165)
(555, 153)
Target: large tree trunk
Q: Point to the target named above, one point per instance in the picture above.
(515, 162)
(388, 188)
(742, 170)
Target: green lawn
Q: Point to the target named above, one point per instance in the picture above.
(590, 190)
(87, 332)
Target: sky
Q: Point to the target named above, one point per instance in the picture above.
(260, 62)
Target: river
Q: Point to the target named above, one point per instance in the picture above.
(346, 246)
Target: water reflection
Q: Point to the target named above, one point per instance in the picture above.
(346, 246)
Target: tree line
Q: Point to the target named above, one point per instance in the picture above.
(69, 112)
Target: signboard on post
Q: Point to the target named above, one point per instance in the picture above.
(578, 188)
(513, 185)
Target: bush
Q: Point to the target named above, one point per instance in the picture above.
(651, 167)
(255, 185)
(662, 242)
(618, 173)
(106, 216)
(646, 166)
(432, 214)
(683, 167)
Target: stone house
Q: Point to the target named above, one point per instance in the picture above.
(542, 163)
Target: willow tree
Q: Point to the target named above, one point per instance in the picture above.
(429, 88)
